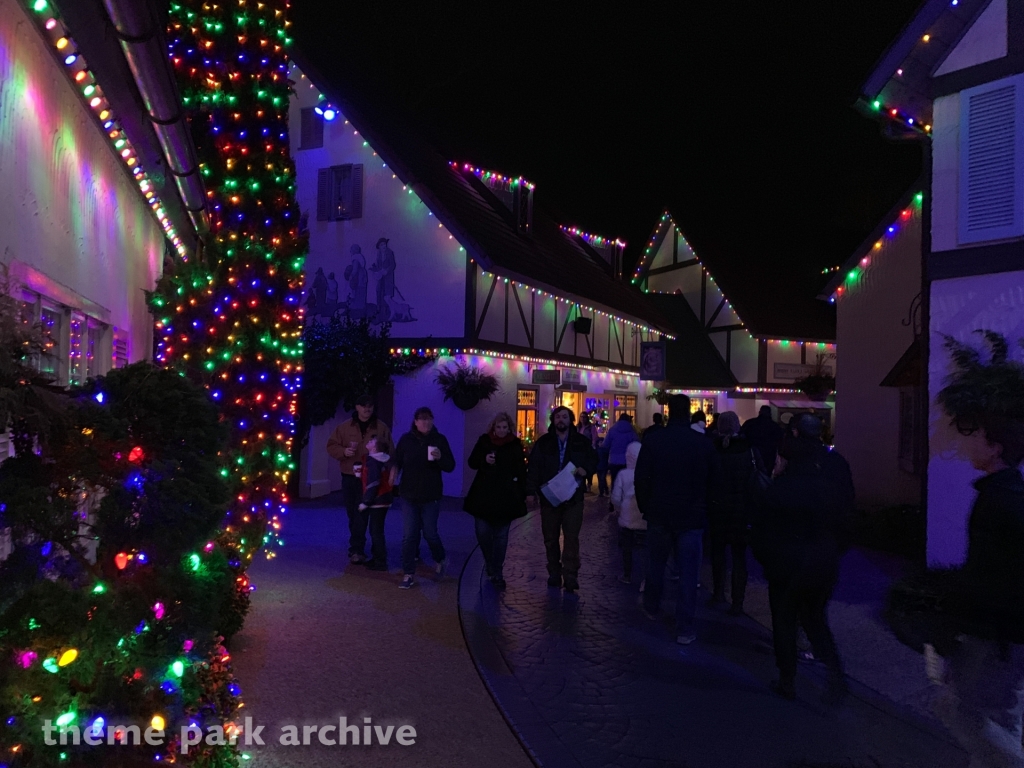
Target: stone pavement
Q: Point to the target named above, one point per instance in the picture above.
(588, 681)
(325, 639)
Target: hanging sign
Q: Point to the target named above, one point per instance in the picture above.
(572, 376)
(547, 376)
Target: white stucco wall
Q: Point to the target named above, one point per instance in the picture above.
(958, 308)
(986, 40)
(870, 329)
(430, 265)
(69, 212)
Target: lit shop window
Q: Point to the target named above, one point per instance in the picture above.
(526, 415)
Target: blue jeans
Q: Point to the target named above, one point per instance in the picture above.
(688, 551)
(416, 518)
(493, 540)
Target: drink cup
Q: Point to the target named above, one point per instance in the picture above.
(433, 453)
(357, 469)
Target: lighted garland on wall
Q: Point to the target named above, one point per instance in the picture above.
(232, 319)
(451, 352)
(891, 231)
(91, 93)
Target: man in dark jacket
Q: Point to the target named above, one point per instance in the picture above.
(985, 697)
(421, 456)
(800, 534)
(551, 453)
(675, 471)
(764, 435)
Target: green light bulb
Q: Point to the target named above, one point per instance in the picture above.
(66, 719)
(178, 668)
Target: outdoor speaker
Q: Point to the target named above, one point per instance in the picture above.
(581, 325)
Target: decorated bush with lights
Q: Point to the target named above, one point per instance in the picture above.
(114, 594)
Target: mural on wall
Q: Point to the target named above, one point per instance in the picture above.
(364, 291)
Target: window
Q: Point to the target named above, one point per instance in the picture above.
(52, 321)
(74, 340)
(312, 136)
(93, 349)
(526, 414)
(119, 352)
(623, 404)
(339, 193)
(991, 194)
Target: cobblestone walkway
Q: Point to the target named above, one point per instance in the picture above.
(588, 681)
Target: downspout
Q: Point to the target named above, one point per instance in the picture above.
(145, 49)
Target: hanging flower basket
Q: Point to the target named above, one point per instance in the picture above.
(465, 385)
(465, 400)
(817, 387)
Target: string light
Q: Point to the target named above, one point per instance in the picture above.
(82, 78)
(890, 232)
(595, 240)
(667, 222)
(494, 177)
(451, 352)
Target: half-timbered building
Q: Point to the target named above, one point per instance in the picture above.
(762, 354)
(465, 263)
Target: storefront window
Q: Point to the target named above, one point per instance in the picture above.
(526, 415)
(623, 404)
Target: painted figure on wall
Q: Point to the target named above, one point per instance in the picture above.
(356, 275)
(325, 299)
(384, 267)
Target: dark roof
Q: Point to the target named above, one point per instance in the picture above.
(546, 258)
(693, 360)
(902, 78)
(794, 314)
(877, 234)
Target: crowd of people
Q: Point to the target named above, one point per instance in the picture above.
(780, 492)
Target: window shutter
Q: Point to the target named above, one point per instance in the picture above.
(991, 194)
(356, 185)
(323, 194)
(312, 129)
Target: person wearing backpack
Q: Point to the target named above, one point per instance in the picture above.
(375, 502)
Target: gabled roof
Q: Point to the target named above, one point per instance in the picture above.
(693, 360)
(793, 316)
(546, 258)
(899, 87)
(889, 227)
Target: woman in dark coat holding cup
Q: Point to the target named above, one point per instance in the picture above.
(498, 493)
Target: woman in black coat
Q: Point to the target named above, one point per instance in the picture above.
(498, 493)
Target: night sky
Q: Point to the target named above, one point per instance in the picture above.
(737, 116)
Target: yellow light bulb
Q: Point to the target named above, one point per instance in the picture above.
(158, 722)
(67, 657)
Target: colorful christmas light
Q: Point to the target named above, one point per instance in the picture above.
(890, 232)
(83, 80)
(595, 240)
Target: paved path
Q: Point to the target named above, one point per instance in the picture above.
(325, 639)
(588, 681)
